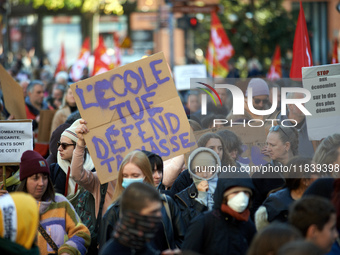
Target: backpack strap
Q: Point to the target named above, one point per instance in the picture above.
(103, 189)
(48, 238)
(167, 209)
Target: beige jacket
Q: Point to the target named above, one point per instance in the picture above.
(89, 180)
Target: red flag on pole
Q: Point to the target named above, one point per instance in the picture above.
(215, 69)
(219, 49)
(61, 66)
(275, 71)
(302, 54)
(335, 58)
(102, 61)
(83, 61)
(224, 49)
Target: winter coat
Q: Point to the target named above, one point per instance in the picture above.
(264, 183)
(182, 182)
(114, 247)
(189, 206)
(216, 232)
(274, 208)
(11, 248)
(64, 226)
(89, 180)
(174, 228)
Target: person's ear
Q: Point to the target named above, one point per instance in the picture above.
(287, 145)
(311, 232)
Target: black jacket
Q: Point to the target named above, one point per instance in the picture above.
(264, 183)
(114, 247)
(58, 178)
(216, 232)
(183, 181)
(188, 205)
(174, 228)
(277, 205)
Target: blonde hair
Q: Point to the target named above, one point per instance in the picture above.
(139, 159)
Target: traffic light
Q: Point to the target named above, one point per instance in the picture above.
(193, 22)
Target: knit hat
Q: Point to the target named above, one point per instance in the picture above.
(237, 189)
(259, 87)
(71, 131)
(232, 181)
(32, 163)
(19, 218)
(203, 157)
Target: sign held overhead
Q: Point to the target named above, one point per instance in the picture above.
(135, 106)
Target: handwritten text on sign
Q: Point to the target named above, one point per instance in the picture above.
(132, 107)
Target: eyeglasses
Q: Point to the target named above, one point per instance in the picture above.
(65, 145)
(276, 128)
(264, 101)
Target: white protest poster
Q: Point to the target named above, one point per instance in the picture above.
(135, 106)
(183, 73)
(323, 82)
(15, 138)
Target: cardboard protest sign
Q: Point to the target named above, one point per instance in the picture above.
(15, 138)
(13, 95)
(135, 106)
(183, 73)
(323, 82)
(44, 128)
(253, 139)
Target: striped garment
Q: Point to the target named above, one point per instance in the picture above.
(64, 226)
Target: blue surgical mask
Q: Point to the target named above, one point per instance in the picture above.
(127, 181)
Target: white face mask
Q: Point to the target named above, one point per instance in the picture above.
(239, 202)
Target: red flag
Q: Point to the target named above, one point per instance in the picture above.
(224, 49)
(335, 58)
(302, 54)
(219, 49)
(83, 61)
(61, 66)
(275, 71)
(215, 69)
(102, 61)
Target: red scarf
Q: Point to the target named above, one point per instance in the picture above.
(243, 216)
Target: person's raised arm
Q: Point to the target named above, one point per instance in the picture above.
(82, 176)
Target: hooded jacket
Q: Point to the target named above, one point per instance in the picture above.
(191, 201)
(216, 232)
(19, 220)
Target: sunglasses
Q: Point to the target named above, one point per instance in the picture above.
(276, 128)
(65, 145)
(264, 101)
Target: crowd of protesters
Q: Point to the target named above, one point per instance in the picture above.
(170, 207)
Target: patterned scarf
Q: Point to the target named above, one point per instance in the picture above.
(134, 230)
